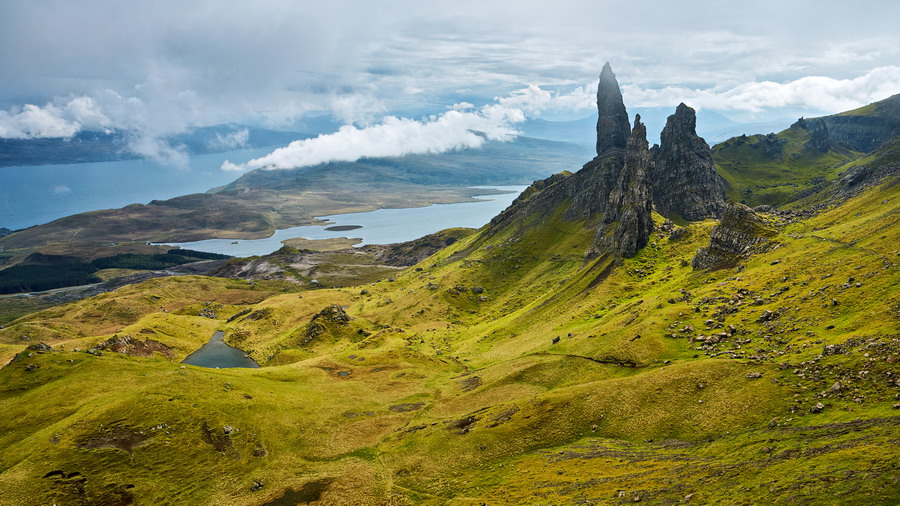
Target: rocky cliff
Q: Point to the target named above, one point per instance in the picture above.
(864, 129)
(612, 122)
(629, 217)
(685, 181)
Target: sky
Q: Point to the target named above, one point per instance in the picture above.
(414, 76)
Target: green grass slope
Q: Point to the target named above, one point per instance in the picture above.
(503, 369)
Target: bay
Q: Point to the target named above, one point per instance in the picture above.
(33, 195)
(382, 226)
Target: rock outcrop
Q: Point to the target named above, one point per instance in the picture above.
(818, 136)
(740, 233)
(686, 184)
(128, 345)
(628, 221)
(330, 317)
(612, 121)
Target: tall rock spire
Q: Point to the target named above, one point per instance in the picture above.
(686, 184)
(628, 221)
(612, 121)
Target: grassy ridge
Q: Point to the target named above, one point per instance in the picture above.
(774, 170)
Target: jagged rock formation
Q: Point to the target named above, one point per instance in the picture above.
(616, 190)
(628, 221)
(612, 122)
(685, 181)
(741, 232)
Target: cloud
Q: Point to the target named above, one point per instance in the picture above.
(231, 140)
(357, 109)
(158, 149)
(461, 106)
(817, 93)
(395, 136)
(533, 100)
(153, 69)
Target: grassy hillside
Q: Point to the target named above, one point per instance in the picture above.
(505, 368)
(776, 169)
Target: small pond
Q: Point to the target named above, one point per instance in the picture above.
(217, 355)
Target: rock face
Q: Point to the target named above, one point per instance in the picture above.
(612, 121)
(865, 129)
(741, 232)
(628, 221)
(685, 181)
(818, 136)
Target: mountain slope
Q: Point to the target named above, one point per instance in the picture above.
(777, 169)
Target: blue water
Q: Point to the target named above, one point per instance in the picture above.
(382, 226)
(34, 195)
(216, 354)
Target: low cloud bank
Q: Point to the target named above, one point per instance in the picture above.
(817, 93)
(395, 136)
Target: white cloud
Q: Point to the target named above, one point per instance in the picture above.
(533, 100)
(395, 136)
(158, 149)
(60, 118)
(36, 122)
(356, 109)
(818, 93)
(461, 106)
(231, 140)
